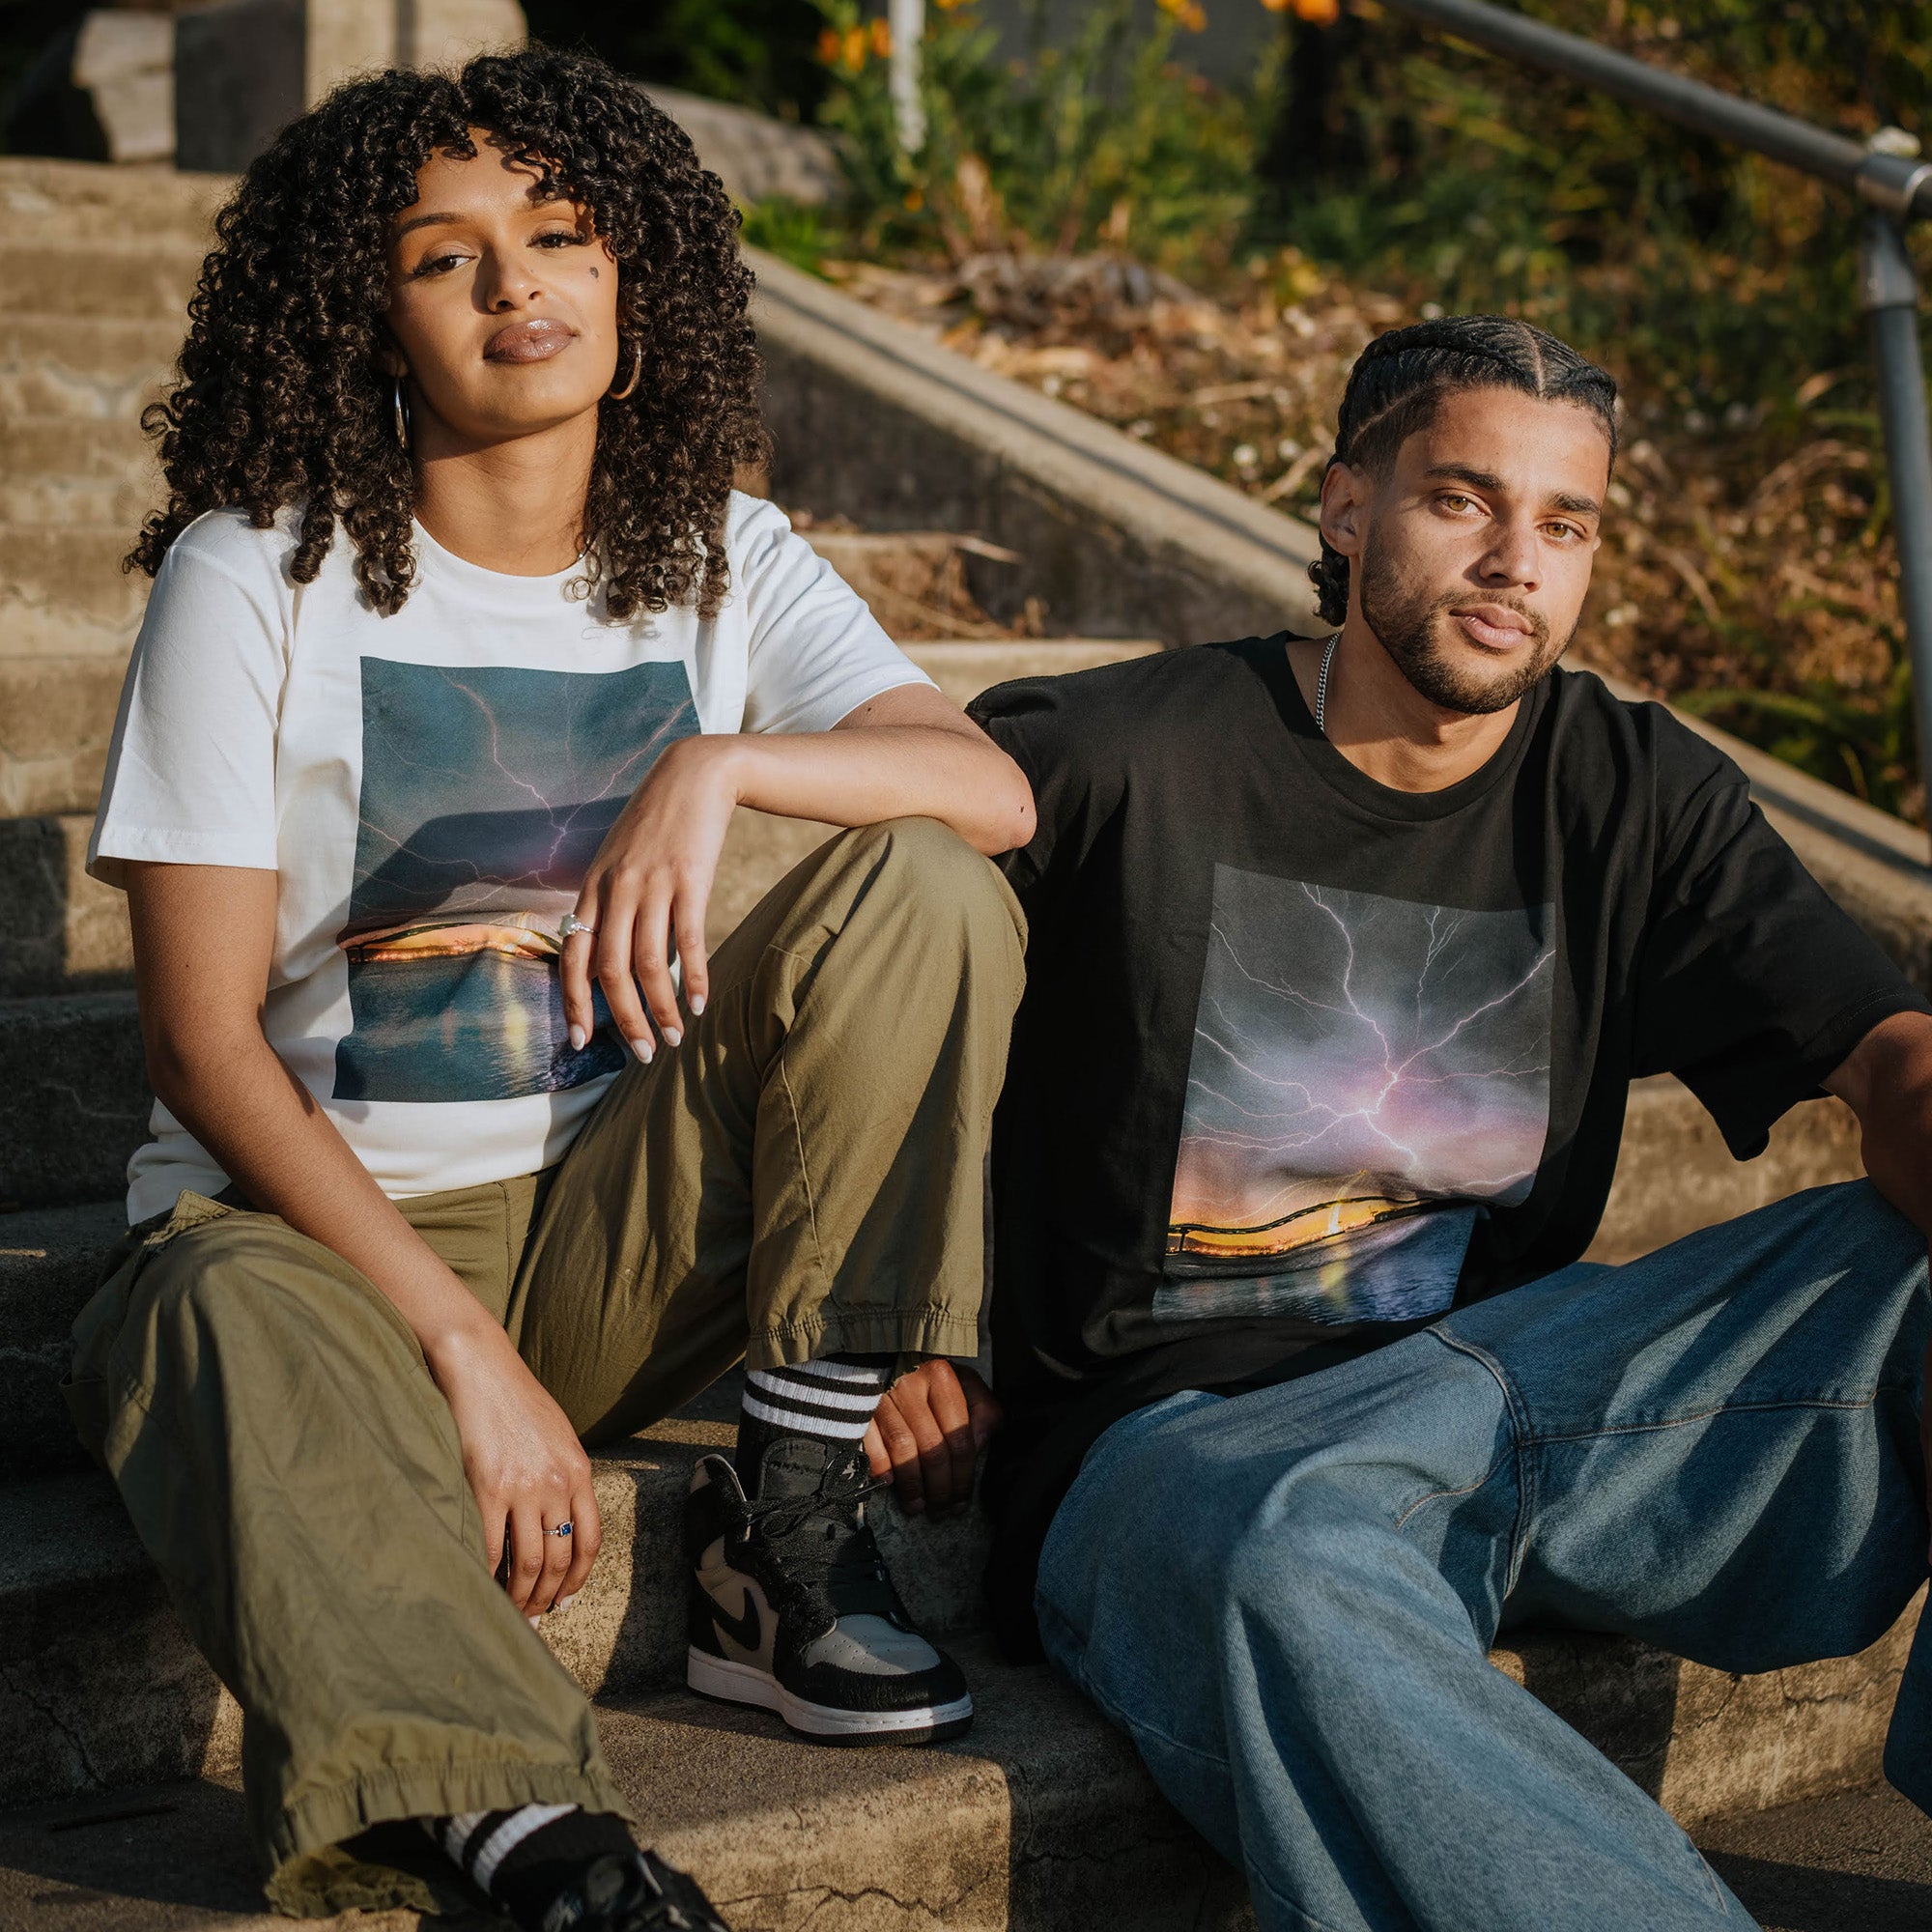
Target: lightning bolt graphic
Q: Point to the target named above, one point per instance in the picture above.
(1349, 1046)
(498, 813)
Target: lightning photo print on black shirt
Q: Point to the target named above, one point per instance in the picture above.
(1366, 1074)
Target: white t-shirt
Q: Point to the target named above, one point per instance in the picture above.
(430, 788)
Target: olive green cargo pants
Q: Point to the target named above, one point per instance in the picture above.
(802, 1174)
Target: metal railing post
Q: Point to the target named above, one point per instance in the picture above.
(1889, 294)
(906, 19)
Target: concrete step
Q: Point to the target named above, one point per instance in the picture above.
(56, 365)
(56, 582)
(65, 932)
(1859, 1860)
(51, 1261)
(76, 1099)
(95, 472)
(86, 1632)
(61, 204)
(168, 1858)
(117, 506)
(1039, 1819)
(148, 280)
(56, 722)
(1675, 1174)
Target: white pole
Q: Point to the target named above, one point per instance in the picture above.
(906, 19)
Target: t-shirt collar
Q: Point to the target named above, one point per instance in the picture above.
(501, 588)
(1354, 784)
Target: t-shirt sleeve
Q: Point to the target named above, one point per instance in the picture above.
(190, 776)
(817, 652)
(1752, 984)
(1059, 731)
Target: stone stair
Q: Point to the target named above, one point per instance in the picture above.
(1042, 1816)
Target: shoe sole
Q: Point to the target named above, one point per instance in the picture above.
(746, 1683)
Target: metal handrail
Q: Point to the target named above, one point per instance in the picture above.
(1896, 187)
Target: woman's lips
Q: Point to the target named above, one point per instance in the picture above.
(529, 341)
(1496, 626)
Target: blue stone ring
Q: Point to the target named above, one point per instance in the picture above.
(562, 1529)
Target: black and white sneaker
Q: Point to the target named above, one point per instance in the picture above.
(792, 1610)
(633, 1893)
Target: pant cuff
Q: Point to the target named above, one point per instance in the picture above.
(890, 1333)
(311, 1875)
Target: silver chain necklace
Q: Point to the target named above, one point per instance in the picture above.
(1321, 684)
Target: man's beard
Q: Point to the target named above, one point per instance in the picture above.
(1405, 624)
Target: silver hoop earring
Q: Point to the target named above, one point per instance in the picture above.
(637, 370)
(402, 408)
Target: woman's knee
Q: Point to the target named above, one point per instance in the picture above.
(248, 1281)
(928, 862)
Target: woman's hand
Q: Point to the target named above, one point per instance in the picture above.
(929, 1430)
(649, 887)
(525, 1465)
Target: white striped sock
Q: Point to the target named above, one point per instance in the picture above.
(455, 1832)
(833, 1401)
(508, 1835)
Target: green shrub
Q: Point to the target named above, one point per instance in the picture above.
(1104, 140)
(1438, 171)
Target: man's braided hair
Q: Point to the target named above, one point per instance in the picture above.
(280, 401)
(1400, 377)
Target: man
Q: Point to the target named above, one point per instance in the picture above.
(1343, 953)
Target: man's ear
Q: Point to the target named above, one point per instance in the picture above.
(1345, 508)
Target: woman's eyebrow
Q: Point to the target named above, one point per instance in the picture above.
(424, 221)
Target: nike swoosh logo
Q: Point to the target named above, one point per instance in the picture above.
(745, 1629)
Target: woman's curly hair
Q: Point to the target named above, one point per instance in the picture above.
(280, 399)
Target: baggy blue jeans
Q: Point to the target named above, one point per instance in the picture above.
(1287, 1598)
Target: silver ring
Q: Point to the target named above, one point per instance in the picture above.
(570, 924)
(562, 1529)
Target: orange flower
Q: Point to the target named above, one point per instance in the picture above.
(882, 38)
(854, 53)
(1317, 13)
(1192, 17)
(829, 44)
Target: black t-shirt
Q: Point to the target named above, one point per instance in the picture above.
(1303, 1061)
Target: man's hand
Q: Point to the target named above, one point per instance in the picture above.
(525, 1464)
(648, 887)
(930, 1426)
(1887, 1082)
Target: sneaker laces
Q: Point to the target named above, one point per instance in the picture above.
(843, 1487)
(848, 1567)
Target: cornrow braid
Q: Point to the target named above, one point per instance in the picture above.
(1399, 378)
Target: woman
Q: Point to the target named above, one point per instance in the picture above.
(460, 654)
